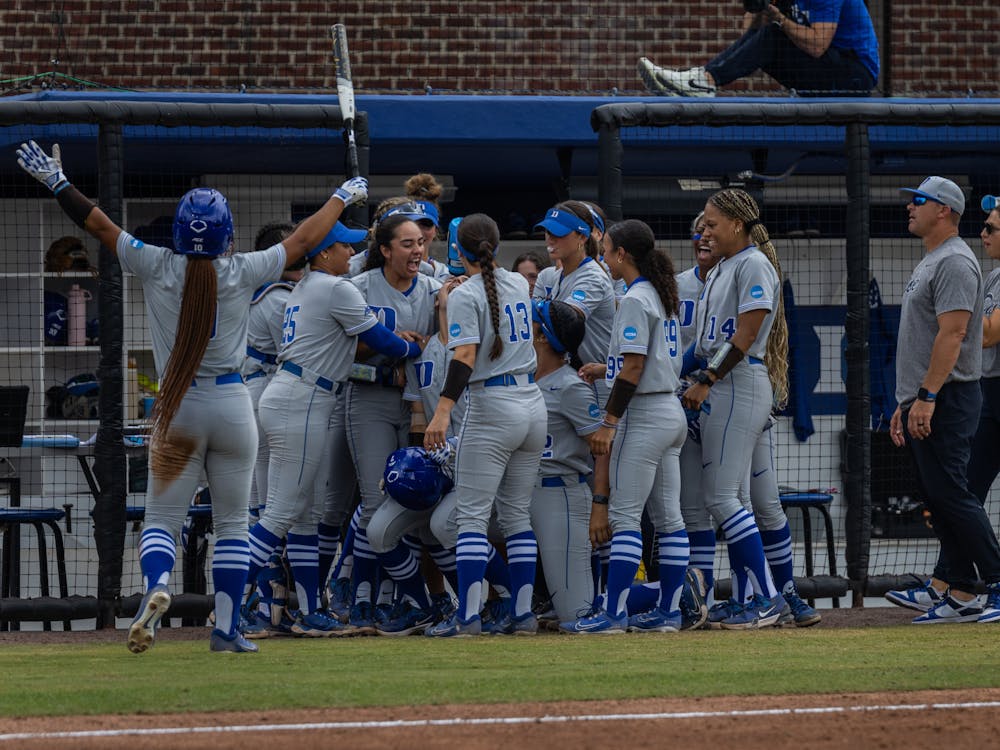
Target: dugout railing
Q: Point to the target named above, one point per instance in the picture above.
(109, 146)
(852, 156)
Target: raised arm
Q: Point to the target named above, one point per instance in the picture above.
(310, 231)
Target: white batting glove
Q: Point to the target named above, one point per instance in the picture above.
(355, 190)
(44, 168)
(445, 457)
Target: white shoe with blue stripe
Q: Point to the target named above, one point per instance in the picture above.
(951, 610)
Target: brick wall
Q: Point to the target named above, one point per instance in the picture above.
(534, 46)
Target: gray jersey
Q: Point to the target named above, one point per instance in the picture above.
(239, 275)
(412, 310)
(425, 378)
(469, 323)
(642, 326)
(572, 412)
(991, 301)
(747, 281)
(323, 317)
(267, 311)
(946, 280)
(589, 290)
(689, 286)
(356, 266)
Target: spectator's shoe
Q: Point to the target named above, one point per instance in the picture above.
(694, 613)
(758, 613)
(991, 610)
(667, 82)
(721, 611)
(443, 606)
(950, 610)
(142, 631)
(509, 625)
(340, 599)
(406, 619)
(282, 628)
(654, 621)
(362, 619)
(922, 598)
(455, 628)
(235, 643)
(797, 612)
(495, 611)
(320, 624)
(596, 623)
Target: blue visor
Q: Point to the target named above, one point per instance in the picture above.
(560, 223)
(415, 211)
(428, 211)
(990, 202)
(339, 233)
(540, 315)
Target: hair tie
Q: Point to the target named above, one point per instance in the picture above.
(748, 225)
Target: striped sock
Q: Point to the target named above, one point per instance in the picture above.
(703, 556)
(229, 574)
(345, 564)
(497, 573)
(746, 553)
(262, 544)
(365, 573)
(157, 552)
(778, 551)
(303, 559)
(673, 559)
(404, 568)
(470, 558)
(626, 554)
(522, 555)
(329, 538)
(445, 561)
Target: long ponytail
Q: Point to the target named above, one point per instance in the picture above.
(479, 235)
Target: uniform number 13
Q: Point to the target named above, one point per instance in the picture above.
(520, 325)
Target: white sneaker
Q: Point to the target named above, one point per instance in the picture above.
(950, 609)
(691, 82)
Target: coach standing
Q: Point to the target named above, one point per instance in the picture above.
(938, 365)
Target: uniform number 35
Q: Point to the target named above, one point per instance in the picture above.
(288, 326)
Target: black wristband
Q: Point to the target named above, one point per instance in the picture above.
(621, 393)
(76, 205)
(458, 377)
(600, 500)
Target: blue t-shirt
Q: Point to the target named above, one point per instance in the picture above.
(854, 26)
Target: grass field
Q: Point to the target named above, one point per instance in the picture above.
(183, 676)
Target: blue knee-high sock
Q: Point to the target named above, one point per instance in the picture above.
(262, 544)
(303, 559)
(229, 574)
(522, 556)
(470, 559)
(642, 597)
(365, 573)
(157, 552)
(702, 545)
(329, 538)
(673, 558)
(345, 563)
(404, 568)
(746, 552)
(626, 554)
(778, 551)
(445, 561)
(497, 572)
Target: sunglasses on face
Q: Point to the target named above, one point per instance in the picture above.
(989, 228)
(919, 200)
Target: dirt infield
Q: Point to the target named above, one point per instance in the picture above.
(952, 719)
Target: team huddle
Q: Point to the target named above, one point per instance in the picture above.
(485, 424)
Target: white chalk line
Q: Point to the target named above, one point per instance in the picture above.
(488, 720)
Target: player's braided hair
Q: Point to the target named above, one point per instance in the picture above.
(479, 234)
(194, 328)
(384, 232)
(740, 205)
(638, 241)
(569, 327)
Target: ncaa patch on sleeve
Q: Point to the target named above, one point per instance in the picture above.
(136, 243)
(579, 295)
(455, 330)
(756, 291)
(630, 333)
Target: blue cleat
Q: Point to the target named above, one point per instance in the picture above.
(406, 619)
(721, 611)
(758, 613)
(362, 619)
(142, 631)
(340, 599)
(235, 643)
(694, 612)
(509, 625)
(655, 621)
(320, 624)
(493, 614)
(455, 628)
(797, 612)
(596, 623)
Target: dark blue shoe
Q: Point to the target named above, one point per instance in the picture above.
(509, 625)
(722, 611)
(443, 606)
(597, 623)
(455, 628)
(406, 619)
(362, 619)
(340, 599)
(655, 621)
(320, 624)
(494, 613)
(758, 613)
(235, 643)
(694, 613)
(798, 612)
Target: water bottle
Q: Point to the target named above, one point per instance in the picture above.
(77, 298)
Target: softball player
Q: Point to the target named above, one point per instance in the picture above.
(734, 318)
(198, 303)
(324, 318)
(500, 445)
(647, 427)
(378, 417)
(561, 501)
(425, 191)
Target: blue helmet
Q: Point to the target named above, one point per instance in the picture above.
(203, 224)
(413, 479)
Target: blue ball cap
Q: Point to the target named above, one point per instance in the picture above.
(560, 223)
(416, 211)
(339, 233)
(990, 202)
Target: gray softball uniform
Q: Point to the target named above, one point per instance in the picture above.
(427, 380)
(645, 468)
(356, 266)
(503, 435)
(765, 498)
(739, 405)
(589, 290)
(378, 417)
(267, 311)
(216, 413)
(323, 317)
(946, 280)
(991, 356)
(561, 501)
(336, 481)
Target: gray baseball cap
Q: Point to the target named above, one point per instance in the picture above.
(940, 190)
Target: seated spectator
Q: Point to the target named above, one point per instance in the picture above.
(528, 264)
